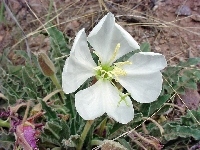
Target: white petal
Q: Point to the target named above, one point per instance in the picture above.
(144, 88)
(106, 35)
(91, 102)
(145, 62)
(127, 43)
(143, 79)
(80, 49)
(122, 112)
(79, 66)
(100, 98)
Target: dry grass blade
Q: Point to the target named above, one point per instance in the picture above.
(23, 33)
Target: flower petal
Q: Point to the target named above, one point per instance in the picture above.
(122, 112)
(106, 35)
(145, 62)
(100, 98)
(90, 103)
(30, 136)
(127, 42)
(143, 79)
(144, 88)
(79, 66)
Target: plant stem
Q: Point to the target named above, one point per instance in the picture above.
(156, 123)
(50, 10)
(2, 13)
(58, 86)
(84, 134)
(4, 123)
(96, 142)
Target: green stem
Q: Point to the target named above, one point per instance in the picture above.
(50, 10)
(58, 86)
(84, 134)
(96, 142)
(2, 13)
(4, 123)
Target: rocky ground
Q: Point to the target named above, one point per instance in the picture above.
(171, 27)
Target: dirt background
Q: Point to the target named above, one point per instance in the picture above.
(172, 27)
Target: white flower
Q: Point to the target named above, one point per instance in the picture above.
(140, 75)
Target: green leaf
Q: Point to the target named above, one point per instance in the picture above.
(49, 113)
(184, 75)
(2, 14)
(77, 124)
(173, 131)
(179, 89)
(48, 137)
(70, 104)
(197, 74)
(29, 84)
(124, 143)
(127, 56)
(158, 104)
(189, 118)
(54, 128)
(145, 47)
(191, 84)
(23, 54)
(117, 126)
(3, 102)
(58, 41)
(4, 59)
(7, 141)
(55, 131)
(23, 82)
(65, 132)
(11, 90)
(144, 109)
(59, 48)
(14, 69)
(137, 117)
(190, 62)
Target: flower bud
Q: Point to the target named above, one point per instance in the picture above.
(46, 64)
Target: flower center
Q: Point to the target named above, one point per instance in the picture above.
(104, 72)
(110, 72)
(107, 72)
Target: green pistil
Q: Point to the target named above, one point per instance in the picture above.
(104, 72)
(123, 98)
(107, 72)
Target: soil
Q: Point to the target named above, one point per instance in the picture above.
(171, 27)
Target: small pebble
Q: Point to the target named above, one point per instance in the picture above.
(198, 47)
(183, 10)
(196, 17)
(157, 48)
(162, 41)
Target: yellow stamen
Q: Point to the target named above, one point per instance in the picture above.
(120, 64)
(115, 52)
(119, 71)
